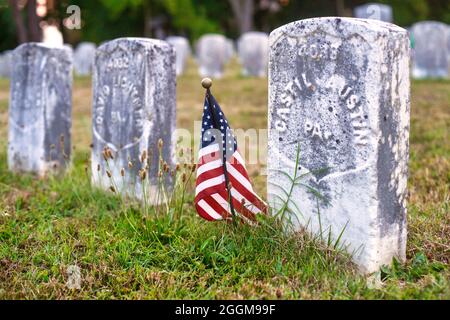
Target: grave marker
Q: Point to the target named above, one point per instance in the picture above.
(430, 50)
(339, 93)
(40, 109)
(133, 108)
(213, 52)
(375, 11)
(182, 51)
(5, 64)
(83, 58)
(253, 48)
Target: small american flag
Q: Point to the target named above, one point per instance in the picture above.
(216, 184)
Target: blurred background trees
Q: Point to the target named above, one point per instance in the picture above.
(107, 19)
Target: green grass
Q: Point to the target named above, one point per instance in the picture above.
(47, 225)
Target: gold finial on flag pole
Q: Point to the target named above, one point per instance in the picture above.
(206, 83)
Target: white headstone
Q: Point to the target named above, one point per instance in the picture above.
(376, 11)
(339, 94)
(253, 49)
(182, 51)
(40, 109)
(430, 50)
(83, 58)
(133, 107)
(213, 52)
(5, 64)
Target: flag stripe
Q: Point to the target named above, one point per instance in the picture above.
(216, 206)
(220, 198)
(238, 166)
(211, 192)
(209, 183)
(243, 172)
(209, 166)
(246, 193)
(207, 150)
(208, 157)
(239, 159)
(209, 210)
(210, 174)
(248, 204)
(222, 202)
(239, 177)
(242, 210)
(203, 213)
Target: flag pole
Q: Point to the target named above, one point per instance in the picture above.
(207, 83)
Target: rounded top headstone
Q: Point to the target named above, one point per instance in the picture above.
(206, 83)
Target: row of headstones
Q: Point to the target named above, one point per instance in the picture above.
(338, 92)
(213, 52)
(83, 58)
(431, 42)
(431, 54)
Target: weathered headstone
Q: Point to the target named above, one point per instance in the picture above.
(213, 52)
(253, 48)
(182, 51)
(5, 64)
(339, 94)
(83, 58)
(376, 11)
(40, 109)
(133, 108)
(430, 50)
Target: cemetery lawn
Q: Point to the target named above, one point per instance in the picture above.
(47, 225)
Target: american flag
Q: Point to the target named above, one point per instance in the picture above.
(216, 183)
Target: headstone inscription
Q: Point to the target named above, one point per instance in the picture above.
(134, 109)
(40, 109)
(339, 127)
